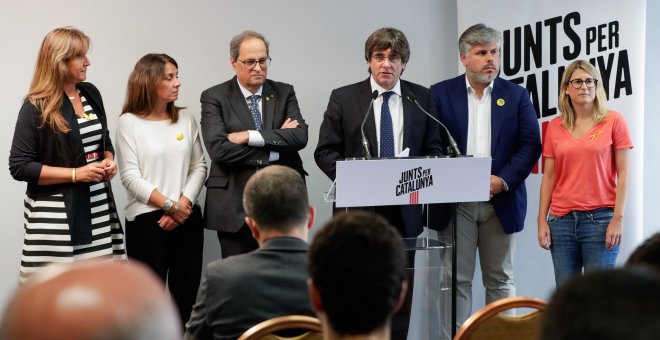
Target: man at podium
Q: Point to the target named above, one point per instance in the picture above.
(381, 110)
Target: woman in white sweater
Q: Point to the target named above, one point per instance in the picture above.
(162, 166)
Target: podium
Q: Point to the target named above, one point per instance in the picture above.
(404, 181)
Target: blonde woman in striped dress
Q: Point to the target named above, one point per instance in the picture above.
(62, 149)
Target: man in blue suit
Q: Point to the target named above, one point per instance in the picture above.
(489, 117)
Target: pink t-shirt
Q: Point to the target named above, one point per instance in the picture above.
(585, 171)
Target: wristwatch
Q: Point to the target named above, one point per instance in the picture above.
(167, 206)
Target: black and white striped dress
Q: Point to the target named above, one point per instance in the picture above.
(47, 235)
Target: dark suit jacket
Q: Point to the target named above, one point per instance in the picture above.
(224, 110)
(240, 291)
(515, 139)
(340, 137)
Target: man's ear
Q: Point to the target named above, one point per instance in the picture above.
(310, 219)
(314, 296)
(252, 224)
(402, 296)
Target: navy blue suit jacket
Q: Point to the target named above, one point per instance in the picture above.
(515, 139)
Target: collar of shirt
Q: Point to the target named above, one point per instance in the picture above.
(374, 86)
(246, 93)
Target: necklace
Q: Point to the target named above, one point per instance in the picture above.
(72, 97)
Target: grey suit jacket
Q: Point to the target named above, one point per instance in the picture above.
(224, 110)
(238, 292)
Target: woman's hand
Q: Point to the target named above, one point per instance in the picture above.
(184, 211)
(614, 233)
(544, 235)
(92, 172)
(167, 222)
(110, 169)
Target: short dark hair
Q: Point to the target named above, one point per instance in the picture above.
(647, 254)
(385, 38)
(605, 305)
(276, 198)
(357, 264)
(235, 43)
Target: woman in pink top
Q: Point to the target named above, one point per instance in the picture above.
(585, 177)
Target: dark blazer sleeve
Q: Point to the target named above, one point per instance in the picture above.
(24, 161)
(330, 147)
(525, 148)
(286, 107)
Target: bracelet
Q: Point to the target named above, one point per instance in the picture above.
(73, 175)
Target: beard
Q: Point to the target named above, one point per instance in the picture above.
(484, 78)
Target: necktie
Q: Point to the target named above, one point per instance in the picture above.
(253, 103)
(386, 130)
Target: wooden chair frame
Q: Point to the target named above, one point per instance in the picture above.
(494, 308)
(282, 322)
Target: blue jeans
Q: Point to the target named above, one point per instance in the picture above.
(578, 241)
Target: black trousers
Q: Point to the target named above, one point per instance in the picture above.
(237, 243)
(175, 255)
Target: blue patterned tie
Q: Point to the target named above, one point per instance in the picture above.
(253, 103)
(386, 130)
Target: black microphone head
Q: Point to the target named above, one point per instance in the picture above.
(411, 96)
(374, 94)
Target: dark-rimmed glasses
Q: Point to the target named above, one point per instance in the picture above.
(252, 63)
(577, 83)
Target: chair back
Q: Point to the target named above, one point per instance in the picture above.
(490, 323)
(264, 330)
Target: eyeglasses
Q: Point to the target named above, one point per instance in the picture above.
(252, 63)
(393, 58)
(577, 83)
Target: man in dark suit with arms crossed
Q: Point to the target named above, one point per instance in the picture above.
(248, 122)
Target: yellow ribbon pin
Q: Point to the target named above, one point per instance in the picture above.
(89, 116)
(595, 134)
(179, 136)
(500, 102)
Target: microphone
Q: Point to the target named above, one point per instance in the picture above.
(453, 147)
(365, 142)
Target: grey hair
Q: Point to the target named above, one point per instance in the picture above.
(235, 43)
(478, 34)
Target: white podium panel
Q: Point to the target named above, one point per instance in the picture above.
(403, 181)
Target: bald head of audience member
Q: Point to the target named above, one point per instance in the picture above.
(91, 301)
(612, 304)
(276, 204)
(357, 276)
(647, 254)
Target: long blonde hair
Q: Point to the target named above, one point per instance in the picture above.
(51, 71)
(566, 106)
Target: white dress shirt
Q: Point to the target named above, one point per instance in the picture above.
(396, 110)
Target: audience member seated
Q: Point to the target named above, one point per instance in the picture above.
(240, 291)
(357, 276)
(606, 305)
(647, 254)
(91, 301)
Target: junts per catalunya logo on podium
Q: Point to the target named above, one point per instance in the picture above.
(412, 181)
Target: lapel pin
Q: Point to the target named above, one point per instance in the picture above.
(500, 102)
(179, 136)
(595, 134)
